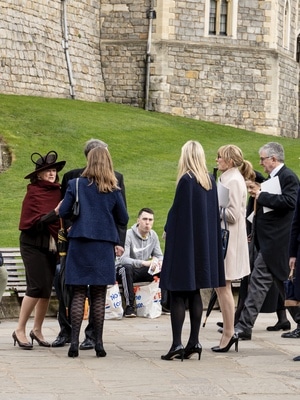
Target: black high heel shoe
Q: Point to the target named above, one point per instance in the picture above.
(189, 351)
(24, 345)
(234, 340)
(42, 343)
(177, 352)
(73, 350)
(100, 352)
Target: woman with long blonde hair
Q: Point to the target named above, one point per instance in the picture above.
(234, 169)
(193, 256)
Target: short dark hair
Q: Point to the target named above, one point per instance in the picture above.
(147, 210)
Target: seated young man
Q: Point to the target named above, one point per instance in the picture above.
(142, 250)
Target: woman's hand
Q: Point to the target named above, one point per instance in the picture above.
(56, 209)
(119, 250)
(292, 263)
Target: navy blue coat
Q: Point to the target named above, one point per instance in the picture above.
(76, 173)
(193, 257)
(99, 212)
(93, 235)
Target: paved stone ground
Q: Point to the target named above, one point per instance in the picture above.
(262, 369)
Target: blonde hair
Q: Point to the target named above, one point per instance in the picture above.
(193, 160)
(232, 153)
(100, 170)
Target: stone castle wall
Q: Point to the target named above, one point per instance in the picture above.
(32, 56)
(249, 79)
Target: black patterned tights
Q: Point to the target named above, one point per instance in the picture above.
(97, 294)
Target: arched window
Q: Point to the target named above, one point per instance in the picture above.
(222, 17)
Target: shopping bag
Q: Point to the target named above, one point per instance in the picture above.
(113, 303)
(148, 300)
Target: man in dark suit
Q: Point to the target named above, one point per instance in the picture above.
(271, 238)
(65, 326)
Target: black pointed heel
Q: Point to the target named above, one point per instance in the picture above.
(234, 340)
(23, 345)
(73, 350)
(189, 351)
(177, 352)
(100, 352)
(42, 343)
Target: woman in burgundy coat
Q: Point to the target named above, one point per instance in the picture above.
(193, 256)
(39, 224)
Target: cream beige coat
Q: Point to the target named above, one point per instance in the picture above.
(237, 257)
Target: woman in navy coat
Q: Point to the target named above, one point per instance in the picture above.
(92, 240)
(193, 256)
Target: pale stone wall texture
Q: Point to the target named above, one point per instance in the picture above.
(249, 79)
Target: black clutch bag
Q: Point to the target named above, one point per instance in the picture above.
(290, 292)
(224, 235)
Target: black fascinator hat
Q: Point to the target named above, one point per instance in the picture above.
(45, 162)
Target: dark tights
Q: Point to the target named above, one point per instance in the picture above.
(97, 294)
(178, 302)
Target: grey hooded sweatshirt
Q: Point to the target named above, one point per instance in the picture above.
(139, 249)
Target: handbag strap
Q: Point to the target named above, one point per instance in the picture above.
(224, 218)
(77, 180)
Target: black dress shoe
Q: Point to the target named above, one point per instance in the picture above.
(60, 341)
(174, 352)
(234, 340)
(295, 334)
(73, 350)
(42, 343)
(100, 352)
(243, 335)
(296, 358)
(285, 326)
(87, 344)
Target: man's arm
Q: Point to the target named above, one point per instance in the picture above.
(287, 199)
(157, 252)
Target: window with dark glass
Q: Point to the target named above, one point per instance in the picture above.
(223, 17)
(212, 17)
(298, 49)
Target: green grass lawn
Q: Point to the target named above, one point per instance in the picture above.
(145, 147)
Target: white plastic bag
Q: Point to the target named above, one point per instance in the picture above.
(113, 303)
(148, 300)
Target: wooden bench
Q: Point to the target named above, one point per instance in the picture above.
(16, 280)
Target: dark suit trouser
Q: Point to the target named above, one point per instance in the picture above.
(260, 282)
(63, 320)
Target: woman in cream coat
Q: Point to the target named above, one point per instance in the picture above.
(233, 170)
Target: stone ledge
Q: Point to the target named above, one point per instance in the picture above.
(10, 307)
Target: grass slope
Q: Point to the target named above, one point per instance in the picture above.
(145, 147)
